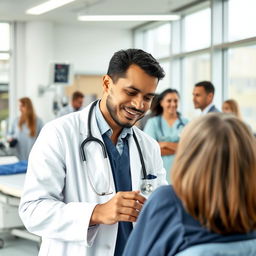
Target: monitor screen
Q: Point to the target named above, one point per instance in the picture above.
(61, 73)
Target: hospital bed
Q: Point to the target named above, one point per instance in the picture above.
(10, 192)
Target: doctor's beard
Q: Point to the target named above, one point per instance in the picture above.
(113, 113)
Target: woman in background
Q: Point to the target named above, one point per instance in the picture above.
(25, 129)
(212, 199)
(231, 107)
(166, 125)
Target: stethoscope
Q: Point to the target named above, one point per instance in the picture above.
(146, 187)
(180, 124)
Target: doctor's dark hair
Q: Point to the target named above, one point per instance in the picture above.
(208, 86)
(214, 173)
(157, 109)
(123, 59)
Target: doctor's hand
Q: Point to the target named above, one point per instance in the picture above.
(124, 206)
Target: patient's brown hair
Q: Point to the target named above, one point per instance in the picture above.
(214, 173)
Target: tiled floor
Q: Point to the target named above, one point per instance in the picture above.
(18, 246)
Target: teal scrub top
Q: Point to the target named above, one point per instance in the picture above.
(158, 128)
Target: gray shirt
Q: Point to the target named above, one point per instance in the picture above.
(25, 141)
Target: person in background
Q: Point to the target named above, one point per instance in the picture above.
(203, 95)
(212, 199)
(231, 107)
(25, 129)
(166, 125)
(76, 104)
(83, 198)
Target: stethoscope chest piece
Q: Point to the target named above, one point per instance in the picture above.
(146, 188)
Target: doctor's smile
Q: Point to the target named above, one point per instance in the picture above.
(132, 113)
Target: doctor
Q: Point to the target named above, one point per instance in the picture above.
(80, 202)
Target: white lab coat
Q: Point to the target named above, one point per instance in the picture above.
(66, 110)
(58, 199)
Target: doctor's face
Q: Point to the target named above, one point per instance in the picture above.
(128, 99)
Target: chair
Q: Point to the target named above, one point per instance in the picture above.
(241, 248)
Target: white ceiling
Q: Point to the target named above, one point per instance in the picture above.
(14, 10)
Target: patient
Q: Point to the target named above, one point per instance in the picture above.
(212, 199)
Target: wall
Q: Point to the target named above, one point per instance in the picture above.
(87, 84)
(89, 50)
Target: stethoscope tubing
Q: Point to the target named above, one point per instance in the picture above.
(91, 138)
(181, 124)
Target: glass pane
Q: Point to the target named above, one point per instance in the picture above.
(4, 110)
(241, 17)
(4, 36)
(196, 68)
(165, 82)
(197, 31)
(4, 68)
(4, 83)
(158, 40)
(242, 81)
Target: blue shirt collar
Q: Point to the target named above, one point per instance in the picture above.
(105, 128)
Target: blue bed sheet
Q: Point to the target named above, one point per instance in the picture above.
(19, 167)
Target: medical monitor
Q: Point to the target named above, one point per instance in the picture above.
(60, 73)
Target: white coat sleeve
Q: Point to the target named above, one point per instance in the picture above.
(42, 208)
(161, 172)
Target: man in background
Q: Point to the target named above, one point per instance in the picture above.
(203, 95)
(76, 104)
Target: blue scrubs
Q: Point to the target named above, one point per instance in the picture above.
(165, 228)
(120, 165)
(158, 128)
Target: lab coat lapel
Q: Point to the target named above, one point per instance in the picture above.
(101, 174)
(135, 163)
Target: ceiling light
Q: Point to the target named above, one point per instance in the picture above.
(128, 17)
(47, 6)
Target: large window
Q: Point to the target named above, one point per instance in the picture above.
(157, 40)
(197, 30)
(4, 75)
(4, 37)
(165, 82)
(216, 41)
(242, 81)
(241, 19)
